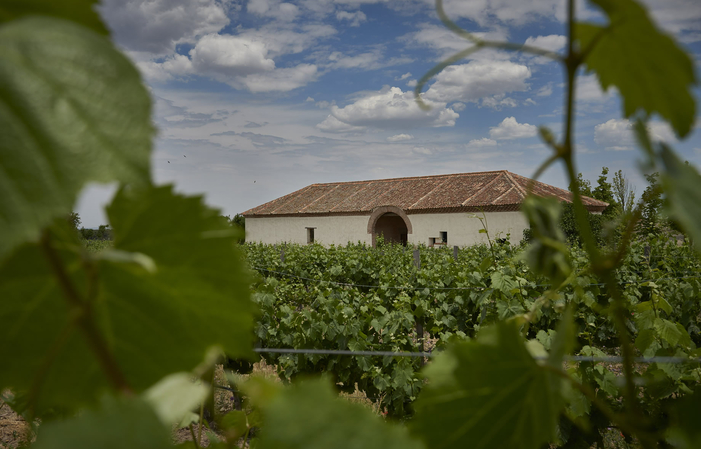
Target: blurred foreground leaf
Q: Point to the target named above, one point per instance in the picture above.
(154, 323)
(118, 423)
(310, 415)
(647, 67)
(488, 393)
(72, 110)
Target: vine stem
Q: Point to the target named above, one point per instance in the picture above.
(84, 319)
(194, 439)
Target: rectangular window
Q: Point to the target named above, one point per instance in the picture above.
(310, 236)
(444, 237)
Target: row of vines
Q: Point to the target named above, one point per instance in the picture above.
(359, 298)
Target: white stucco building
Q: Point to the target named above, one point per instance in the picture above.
(433, 210)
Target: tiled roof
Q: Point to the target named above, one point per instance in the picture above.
(487, 191)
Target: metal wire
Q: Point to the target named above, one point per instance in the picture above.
(573, 358)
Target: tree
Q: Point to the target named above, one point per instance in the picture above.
(650, 222)
(584, 185)
(73, 219)
(623, 192)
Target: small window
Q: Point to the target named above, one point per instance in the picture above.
(431, 241)
(310, 236)
(444, 237)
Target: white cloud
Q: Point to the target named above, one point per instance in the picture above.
(552, 42)
(403, 77)
(412, 83)
(393, 108)
(230, 56)
(511, 12)
(445, 42)
(400, 137)
(355, 18)
(279, 40)
(498, 101)
(309, 100)
(510, 129)
(458, 106)
(367, 61)
(529, 101)
(273, 8)
(156, 26)
(618, 134)
(333, 125)
(478, 79)
(545, 91)
(589, 90)
(481, 143)
(679, 17)
(281, 79)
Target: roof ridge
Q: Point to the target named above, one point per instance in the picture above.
(520, 189)
(409, 177)
(482, 189)
(427, 194)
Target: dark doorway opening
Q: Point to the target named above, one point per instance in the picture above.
(392, 228)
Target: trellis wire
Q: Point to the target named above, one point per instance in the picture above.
(573, 358)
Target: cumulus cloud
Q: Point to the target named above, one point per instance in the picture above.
(230, 56)
(618, 134)
(481, 143)
(499, 101)
(273, 8)
(479, 79)
(510, 129)
(390, 108)
(355, 18)
(552, 42)
(156, 26)
(511, 12)
(400, 137)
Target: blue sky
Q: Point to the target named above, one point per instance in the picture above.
(256, 99)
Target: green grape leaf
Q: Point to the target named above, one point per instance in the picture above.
(548, 253)
(647, 67)
(154, 323)
(685, 433)
(175, 396)
(72, 110)
(116, 424)
(488, 393)
(565, 339)
(681, 183)
(667, 331)
(80, 11)
(310, 415)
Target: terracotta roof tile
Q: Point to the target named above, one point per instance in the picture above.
(497, 190)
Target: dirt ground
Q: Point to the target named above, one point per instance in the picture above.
(14, 431)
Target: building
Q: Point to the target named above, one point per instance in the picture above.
(433, 210)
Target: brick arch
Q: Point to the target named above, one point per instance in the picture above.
(382, 210)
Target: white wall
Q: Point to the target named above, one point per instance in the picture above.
(463, 228)
(337, 230)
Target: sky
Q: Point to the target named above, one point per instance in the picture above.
(255, 99)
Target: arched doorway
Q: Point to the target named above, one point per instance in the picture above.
(391, 223)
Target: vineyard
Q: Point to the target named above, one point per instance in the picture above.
(547, 343)
(364, 299)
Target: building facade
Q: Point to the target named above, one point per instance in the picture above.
(433, 210)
